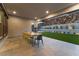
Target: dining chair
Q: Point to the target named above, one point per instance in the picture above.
(34, 40)
(39, 38)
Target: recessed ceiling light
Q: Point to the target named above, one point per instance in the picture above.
(38, 20)
(14, 12)
(47, 12)
(35, 17)
(32, 23)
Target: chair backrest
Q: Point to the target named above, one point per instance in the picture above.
(39, 37)
(26, 34)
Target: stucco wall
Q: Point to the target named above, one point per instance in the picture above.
(16, 26)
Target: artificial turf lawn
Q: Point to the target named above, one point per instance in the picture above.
(71, 38)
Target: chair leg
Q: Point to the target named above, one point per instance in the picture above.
(42, 41)
(32, 42)
(38, 42)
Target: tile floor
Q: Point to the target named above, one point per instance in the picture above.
(19, 47)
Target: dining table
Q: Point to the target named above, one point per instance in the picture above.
(34, 36)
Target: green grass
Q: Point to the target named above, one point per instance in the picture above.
(71, 38)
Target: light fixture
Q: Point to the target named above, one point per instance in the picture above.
(14, 12)
(32, 23)
(47, 12)
(38, 20)
(35, 17)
